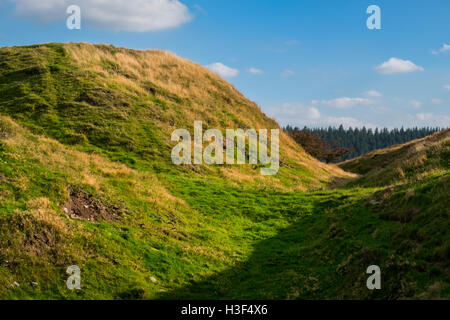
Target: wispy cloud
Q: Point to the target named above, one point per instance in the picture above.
(287, 73)
(294, 113)
(396, 65)
(199, 8)
(447, 86)
(346, 122)
(223, 70)
(444, 48)
(288, 111)
(255, 71)
(416, 104)
(129, 15)
(431, 119)
(373, 94)
(299, 114)
(437, 101)
(345, 102)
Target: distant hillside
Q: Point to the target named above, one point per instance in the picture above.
(410, 161)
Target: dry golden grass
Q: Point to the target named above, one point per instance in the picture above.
(207, 97)
(190, 92)
(414, 159)
(206, 251)
(81, 168)
(42, 210)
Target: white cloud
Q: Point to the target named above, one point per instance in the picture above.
(288, 111)
(432, 120)
(444, 48)
(447, 86)
(129, 15)
(313, 113)
(396, 65)
(437, 101)
(298, 114)
(345, 102)
(222, 70)
(424, 116)
(200, 8)
(381, 110)
(346, 122)
(287, 73)
(255, 71)
(373, 93)
(416, 104)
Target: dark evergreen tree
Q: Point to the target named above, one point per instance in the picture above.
(360, 141)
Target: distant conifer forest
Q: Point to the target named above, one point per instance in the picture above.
(338, 144)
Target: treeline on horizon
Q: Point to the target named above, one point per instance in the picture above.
(338, 144)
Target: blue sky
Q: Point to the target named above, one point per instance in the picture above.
(304, 62)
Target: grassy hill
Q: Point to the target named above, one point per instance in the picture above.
(410, 161)
(125, 104)
(86, 179)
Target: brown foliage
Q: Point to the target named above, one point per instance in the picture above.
(317, 147)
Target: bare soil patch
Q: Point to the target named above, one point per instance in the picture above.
(83, 206)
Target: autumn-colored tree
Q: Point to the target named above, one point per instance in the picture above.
(310, 142)
(332, 153)
(317, 147)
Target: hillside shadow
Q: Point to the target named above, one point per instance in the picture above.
(262, 276)
(297, 263)
(343, 182)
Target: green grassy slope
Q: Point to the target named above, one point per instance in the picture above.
(334, 236)
(124, 104)
(205, 226)
(160, 231)
(210, 239)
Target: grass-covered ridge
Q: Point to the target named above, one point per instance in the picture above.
(84, 131)
(406, 162)
(125, 104)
